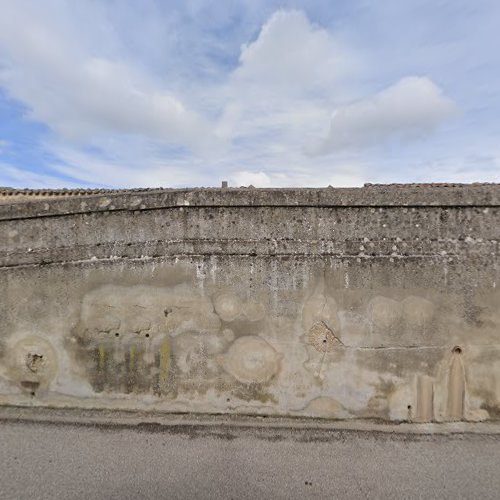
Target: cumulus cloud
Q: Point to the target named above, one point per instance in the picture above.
(119, 117)
(292, 53)
(283, 78)
(80, 95)
(413, 106)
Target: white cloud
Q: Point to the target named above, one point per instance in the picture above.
(343, 177)
(293, 54)
(413, 106)
(81, 96)
(128, 170)
(285, 81)
(120, 121)
(256, 179)
(22, 178)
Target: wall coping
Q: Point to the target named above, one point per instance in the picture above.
(24, 204)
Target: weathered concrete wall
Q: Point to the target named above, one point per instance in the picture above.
(377, 302)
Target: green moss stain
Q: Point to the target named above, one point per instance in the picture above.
(164, 366)
(102, 356)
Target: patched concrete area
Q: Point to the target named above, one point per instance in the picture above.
(224, 462)
(371, 303)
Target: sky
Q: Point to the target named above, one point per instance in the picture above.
(150, 93)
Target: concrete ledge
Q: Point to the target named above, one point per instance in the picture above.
(229, 425)
(432, 195)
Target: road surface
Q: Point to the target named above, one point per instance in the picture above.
(64, 461)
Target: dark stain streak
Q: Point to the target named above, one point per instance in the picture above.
(227, 432)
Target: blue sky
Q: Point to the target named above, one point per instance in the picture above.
(122, 93)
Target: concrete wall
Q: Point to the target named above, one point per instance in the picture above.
(377, 302)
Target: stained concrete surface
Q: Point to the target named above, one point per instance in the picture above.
(378, 302)
(57, 461)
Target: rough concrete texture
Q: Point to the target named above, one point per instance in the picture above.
(364, 303)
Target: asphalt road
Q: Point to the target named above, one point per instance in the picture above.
(44, 461)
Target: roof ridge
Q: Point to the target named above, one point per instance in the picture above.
(430, 184)
(8, 191)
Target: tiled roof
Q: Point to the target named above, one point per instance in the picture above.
(7, 191)
(431, 184)
(8, 194)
